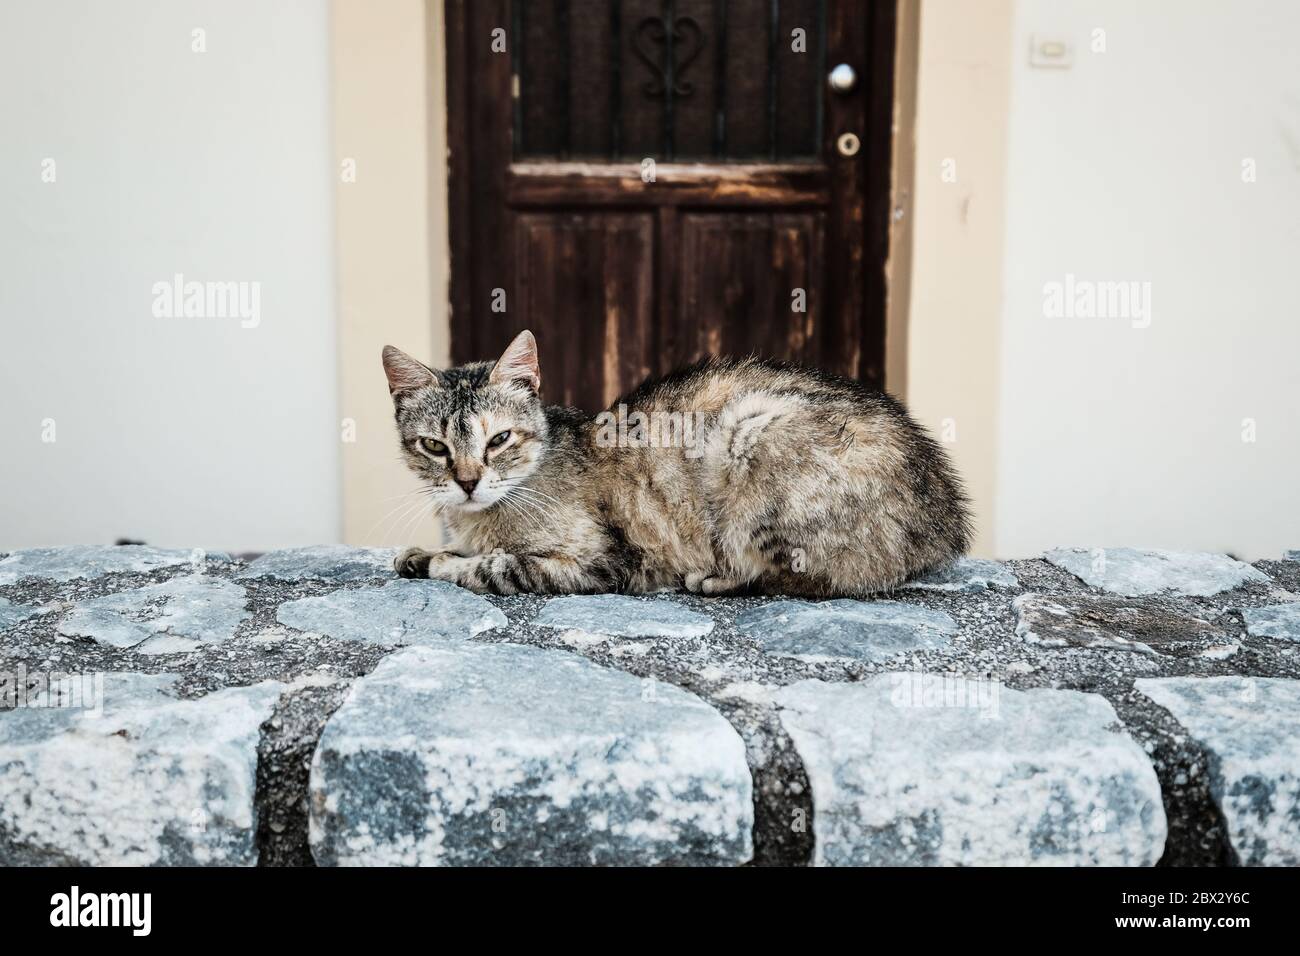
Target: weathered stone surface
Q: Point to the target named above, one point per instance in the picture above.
(152, 781)
(967, 574)
(1291, 556)
(1281, 621)
(1132, 571)
(11, 614)
(619, 615)
(866, 630)
(912, 769)
(1107, 623)
(65, 564)
(1251, 728)
(332, 562)
(725, 667)
(168, 618)
(401, 612)
(508, 755)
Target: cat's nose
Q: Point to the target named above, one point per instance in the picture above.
(469, 486)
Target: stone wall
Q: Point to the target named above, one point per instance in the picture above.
(1112, 707)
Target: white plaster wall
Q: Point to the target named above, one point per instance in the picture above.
(217, 165)
(1128, 166)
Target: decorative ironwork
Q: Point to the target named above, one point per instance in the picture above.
(708, 84)
(671, 62)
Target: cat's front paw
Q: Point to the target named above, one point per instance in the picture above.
(413, 563)
(712, 585)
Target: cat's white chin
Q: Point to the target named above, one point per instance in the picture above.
(481, 501)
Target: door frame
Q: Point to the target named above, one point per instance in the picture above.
(867, 42)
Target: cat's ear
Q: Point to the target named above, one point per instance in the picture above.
(518, 363)
(405, 373)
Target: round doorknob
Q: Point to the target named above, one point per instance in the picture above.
(843, 78)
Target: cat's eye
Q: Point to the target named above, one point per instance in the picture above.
(499, 439)
(433, 446)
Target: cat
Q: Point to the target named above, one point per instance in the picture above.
(774, 479)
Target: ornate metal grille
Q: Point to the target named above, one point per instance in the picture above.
(730, 80)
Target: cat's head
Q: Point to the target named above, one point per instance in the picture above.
(471, 432)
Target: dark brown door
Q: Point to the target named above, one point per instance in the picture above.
(646, 182)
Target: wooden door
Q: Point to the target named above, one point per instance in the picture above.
(646, 182)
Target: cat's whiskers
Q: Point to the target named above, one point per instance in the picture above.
(540, 495)
(408, 500)
(407, 510)
(412, 523)
(422, 490)
(526, 508)
(411, 516)
(512, 497)
(517, 484)
(517, 510)
(545, 503)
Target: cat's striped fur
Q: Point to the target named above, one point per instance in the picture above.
(798, 482)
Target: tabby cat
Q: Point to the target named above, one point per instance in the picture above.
(729, 475)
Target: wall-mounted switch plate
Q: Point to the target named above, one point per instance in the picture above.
(1050, 52)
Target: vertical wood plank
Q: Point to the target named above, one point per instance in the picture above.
(670, 328)
(541, 52)
(591, 86)
(875, 186)
(459, 178)
(628, 300)
(491, 148)
(695, 111)
(798, 80)
(746, 79)
(798, 243)
(642, 114)
(841, 345)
